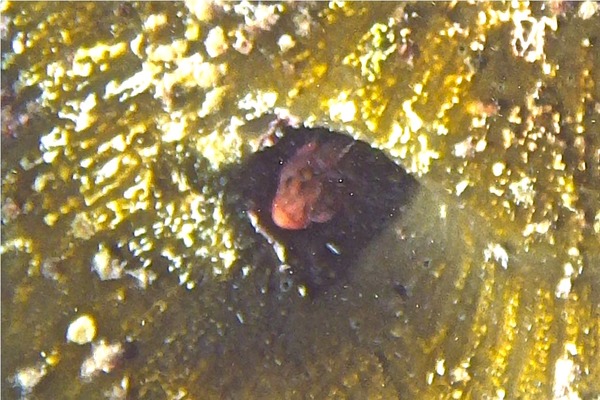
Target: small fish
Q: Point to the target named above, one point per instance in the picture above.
(303, 196)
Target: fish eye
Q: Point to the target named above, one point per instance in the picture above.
(288, 181)
(306, 174)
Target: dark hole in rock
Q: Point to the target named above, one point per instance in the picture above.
(401, 290)
(335, 194)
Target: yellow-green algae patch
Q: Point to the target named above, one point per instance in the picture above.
(147, 107)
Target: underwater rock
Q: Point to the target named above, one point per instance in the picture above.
(322, 196)
(493, 105)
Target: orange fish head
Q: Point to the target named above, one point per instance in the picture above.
(295, 198)
(289, 213)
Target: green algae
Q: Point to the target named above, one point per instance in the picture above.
(138, 126)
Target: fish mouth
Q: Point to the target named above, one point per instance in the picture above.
(285, 219)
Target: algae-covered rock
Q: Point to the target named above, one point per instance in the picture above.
(122, 124)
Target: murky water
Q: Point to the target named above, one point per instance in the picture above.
(121, 124)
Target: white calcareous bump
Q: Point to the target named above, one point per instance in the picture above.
(27, 378)
(106, 266)
(242, 44)
(587, 9)
(286, 42)
(104, 358)
(216, 43)
(461, 186)
(82, 330)
(203, 10)
(498, 168)
(82, 227)
(496, 252)
(342, 109)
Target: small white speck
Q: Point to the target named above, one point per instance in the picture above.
(461, 186)
(501, 393)
(240, 317)
(565, 372)
(440, 369)
(82, 330)
(18, 43)
(285, 43)
(108, 170)
(143, 276)
(242, 44)
(332, 247)
(27, 378)
(105, 266)
(498, 168)
(155, 21)
(480, 145)
(498, 253)
(429, 378)
(523, 191)
(460, 374)
(302, 290)
(343, 111)
(104, 358)
(587, 9)
(216, 43)
(563, 288)
(443, 211)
